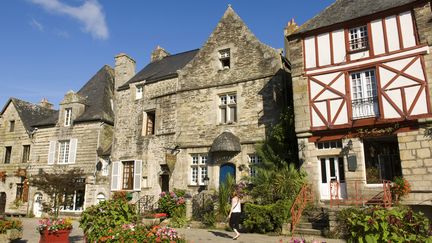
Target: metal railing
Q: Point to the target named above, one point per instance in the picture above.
(366, 107)
(305, 195)
(146, 204)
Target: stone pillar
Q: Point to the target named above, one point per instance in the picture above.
(188, 208)
(124, 69)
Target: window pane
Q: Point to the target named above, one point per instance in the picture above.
(233, 114)
(223, 115)
(323, 171)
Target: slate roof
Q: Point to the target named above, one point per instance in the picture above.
(162, 69)
(30, 113)
(344, 10)
(98, 91)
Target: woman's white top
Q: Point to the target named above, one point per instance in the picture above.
(235, 202)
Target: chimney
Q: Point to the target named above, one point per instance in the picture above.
(291, 27)
(45, 104)
(124, 69)
(158, 54)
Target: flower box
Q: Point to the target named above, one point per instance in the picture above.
(59, 236)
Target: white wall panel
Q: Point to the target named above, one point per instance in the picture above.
(377, 37)
(339, 51)
(324, 57)
(310, 57)
(359, 55)
(392, 33)
(416, 70)
(407, 29)
(334, 107)
(410, 94)
(421, 106)
(343, 116)
(385, 76)
(389, 111)
(316, 120)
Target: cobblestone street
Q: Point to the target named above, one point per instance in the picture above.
(30, 235)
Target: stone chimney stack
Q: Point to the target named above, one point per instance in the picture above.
(45, 104)
(158, 54)
(290, 28)
(124, 69)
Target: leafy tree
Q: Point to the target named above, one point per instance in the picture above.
(57, 183)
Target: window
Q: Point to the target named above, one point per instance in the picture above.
(11, 126)
(228, 108)
(68, 116)
(149, 121)
(382, 159)
(329, 144)
(199, 169)
(253, 161)
(73, 201)
(63, 156)
(364, 94)
(358, 38)
(224, 58)
(26, 153)
(139, 92)
(128, 173)
(8, 154)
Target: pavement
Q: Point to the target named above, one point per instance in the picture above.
(192, 235)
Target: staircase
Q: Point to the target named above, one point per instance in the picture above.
(313, 222)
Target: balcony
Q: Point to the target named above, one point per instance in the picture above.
(365, 108)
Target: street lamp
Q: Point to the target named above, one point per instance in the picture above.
(206, 182)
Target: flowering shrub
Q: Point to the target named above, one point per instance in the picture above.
(10, 224)
(140, 233)
(400, 188)
(54, 224)
(168, 202)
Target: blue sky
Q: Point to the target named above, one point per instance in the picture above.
(49, 47)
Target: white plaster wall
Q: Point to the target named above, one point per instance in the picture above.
(392, 33)
(377, 37)
(310, 57)
(324, 57)
(407, 28)
(339, 51)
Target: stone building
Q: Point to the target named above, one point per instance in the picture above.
(16, 144)
(361, 80)
(195, 116)
(78, 135)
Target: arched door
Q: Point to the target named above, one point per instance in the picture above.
(225, 170)
(37, 205)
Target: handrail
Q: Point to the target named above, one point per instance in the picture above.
(387, 197)
(299, 205)
(145, 204)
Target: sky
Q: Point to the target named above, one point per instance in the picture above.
(49, 47)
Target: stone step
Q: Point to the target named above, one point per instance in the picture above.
(302, 231)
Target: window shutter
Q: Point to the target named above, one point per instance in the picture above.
(115, 176)
(137, 175)
(72, 150)
(52, 152)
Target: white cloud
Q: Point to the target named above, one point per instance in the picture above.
(37, 25)
(62, 33)
(90, 14)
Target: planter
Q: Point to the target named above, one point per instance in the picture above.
(60, 236)
(14, 234)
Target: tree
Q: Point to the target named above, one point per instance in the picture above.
(58, 182)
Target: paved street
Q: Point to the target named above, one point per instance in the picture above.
(30, 235)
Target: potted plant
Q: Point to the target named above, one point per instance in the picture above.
(10, 230)
(54, 230)
(400, 188)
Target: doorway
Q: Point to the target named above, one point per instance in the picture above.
(225, 170)
(332, 171)
(2, 203)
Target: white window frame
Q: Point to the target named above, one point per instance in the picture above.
(68, 116)
(199, 169)
(364, 94)
(139, 92)
(63, 154)
(358, 38)
(225, 58)
(254, 159)
(227, 104)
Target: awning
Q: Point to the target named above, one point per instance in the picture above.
(226, 142)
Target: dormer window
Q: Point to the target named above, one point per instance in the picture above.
(358, 38)
(139, 92)
(68, 117)
(224, 58)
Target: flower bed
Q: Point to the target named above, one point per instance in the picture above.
(141, 233)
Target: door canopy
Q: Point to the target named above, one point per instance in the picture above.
(226, 142)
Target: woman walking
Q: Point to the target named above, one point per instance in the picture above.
(234, 214)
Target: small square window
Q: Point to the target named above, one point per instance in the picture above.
(224, 58)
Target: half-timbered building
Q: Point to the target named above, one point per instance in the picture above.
(361, 79)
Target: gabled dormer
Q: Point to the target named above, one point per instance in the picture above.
(71, 107)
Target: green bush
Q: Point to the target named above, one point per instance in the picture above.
(399, 224)
(168, 202)
(10, 224)
(267, 218)
(109, 214)
(203, 209)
